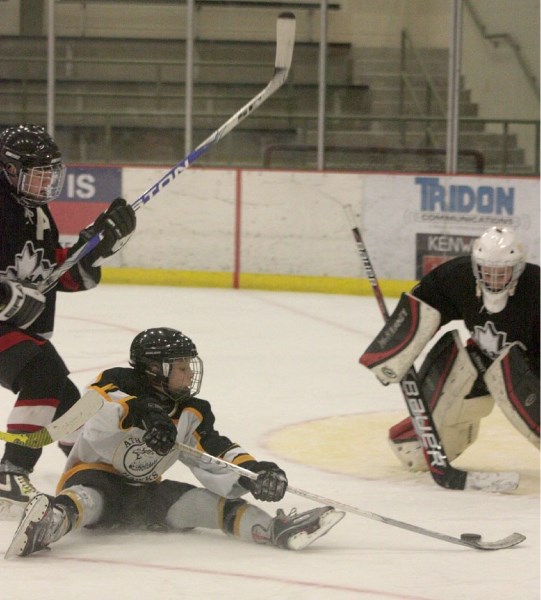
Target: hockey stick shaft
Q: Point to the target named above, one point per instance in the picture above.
(86, 407)
(203, 457)
(443, 473)
(285, 41)
(417, 407)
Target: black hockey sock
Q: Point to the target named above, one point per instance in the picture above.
(20, 456)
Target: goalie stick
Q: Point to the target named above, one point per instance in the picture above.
(471, 540)
(86, 407)
(285, 41)
(443, 473)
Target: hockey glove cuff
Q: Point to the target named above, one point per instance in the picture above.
(271, 483)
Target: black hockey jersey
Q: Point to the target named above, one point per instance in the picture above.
(450, 288)
(30, 251)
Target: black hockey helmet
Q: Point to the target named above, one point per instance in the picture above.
(32, 164)
(153, 351)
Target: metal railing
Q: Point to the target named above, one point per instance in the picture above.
(507, 38)
(433, 103)
(300, 124)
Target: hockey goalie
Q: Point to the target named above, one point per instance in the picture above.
(495, 293)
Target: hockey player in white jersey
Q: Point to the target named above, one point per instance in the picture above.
(113, 476)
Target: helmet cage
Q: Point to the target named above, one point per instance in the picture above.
(158, 375)
(39, 185)
(32, 164)
(498, 260)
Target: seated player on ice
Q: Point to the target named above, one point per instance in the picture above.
(113, 473)
(495, 292)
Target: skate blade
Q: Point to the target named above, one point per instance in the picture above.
(326, 522)
(34, 512)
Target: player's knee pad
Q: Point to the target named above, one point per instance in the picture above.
(446, 378)
(515, 387)
(399, 343)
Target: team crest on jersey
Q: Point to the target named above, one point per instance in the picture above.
(29, 265)
(489, 339)
(138, 461)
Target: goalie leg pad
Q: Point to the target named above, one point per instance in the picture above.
(399, 343)
(515, 387)
(446, 378)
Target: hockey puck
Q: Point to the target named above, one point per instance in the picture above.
(470, 537)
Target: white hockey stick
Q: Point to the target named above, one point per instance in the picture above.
(86, 407)
(443, 473)
(472, 540)
(285, 42)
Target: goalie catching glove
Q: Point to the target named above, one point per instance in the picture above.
(271, 483)
(115, 227)
(160, 431)
(20, 304)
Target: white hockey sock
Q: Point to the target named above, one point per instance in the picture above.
(89, 504)
(202, 508)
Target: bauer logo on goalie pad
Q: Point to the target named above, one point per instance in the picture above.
(421, 424)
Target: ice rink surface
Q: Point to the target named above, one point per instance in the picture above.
(282, 374)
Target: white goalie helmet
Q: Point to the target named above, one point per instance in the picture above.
(498, 260)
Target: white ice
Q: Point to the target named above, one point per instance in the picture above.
(281, 367)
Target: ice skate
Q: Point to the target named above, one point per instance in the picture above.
(298, 530)
(42, 524)
(16, 491)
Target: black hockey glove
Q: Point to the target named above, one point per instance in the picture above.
(160, 431)
(115, 227)
(20, 304)
(271, 484)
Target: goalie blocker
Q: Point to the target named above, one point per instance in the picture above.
(399, 343)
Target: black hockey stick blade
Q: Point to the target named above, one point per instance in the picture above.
(86, 407)
(475, 541)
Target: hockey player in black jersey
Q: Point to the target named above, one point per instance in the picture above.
(113, 476)
(31, 175)
(495, 293)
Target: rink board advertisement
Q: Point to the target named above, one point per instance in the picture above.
(433, 249)
(413, 222)
(293, 222)
(86, 193)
